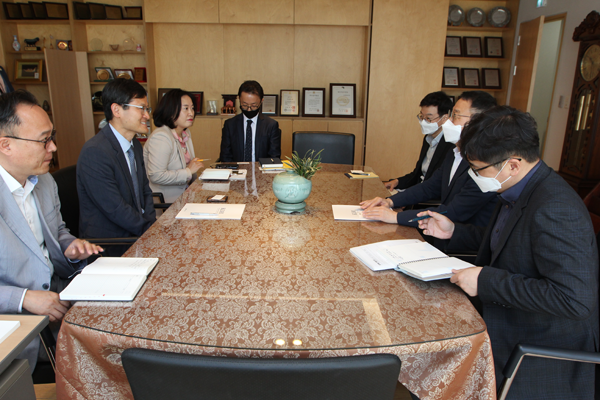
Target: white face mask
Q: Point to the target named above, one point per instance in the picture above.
(428, 127)
(451, 132)
(488, 184)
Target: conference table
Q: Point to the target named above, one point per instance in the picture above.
(278, 285)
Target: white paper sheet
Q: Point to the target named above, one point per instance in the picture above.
(211, 211)
(348, 213)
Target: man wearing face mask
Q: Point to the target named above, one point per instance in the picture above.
(539, 280)
(460, 197)
(250, 135)
(435, 108)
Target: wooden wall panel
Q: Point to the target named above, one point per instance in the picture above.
(178, 11)
(286, 136)
(333, 12)
(407, 58)
(256, 12)
(355, 127)
(310, 125)
(116, 34)
(206, 134)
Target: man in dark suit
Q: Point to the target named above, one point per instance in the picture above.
(250, 135)
(115, 199)
(539, 280)
(435, 109)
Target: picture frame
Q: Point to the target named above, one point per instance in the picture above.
(342, 100)
(139, 74)
(161, 93)
(472, 46)
(269, 104)
(450, 77)
(97, 10)
(27, 10)
(82, 10)
(56, 10)
(133, 13)
(453, 46)
(290, 103)
(491, 78)
(39, 10)
(113, 12)
(12, 10)
(470, 77)
(198, 99)
(29, 70)
(120, 73)
(493, 47)
(313, 102)
(104, 74)
(65, 45)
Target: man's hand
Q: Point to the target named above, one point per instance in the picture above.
(381, 213)
(466, 279)
(80, 249)
(437, 226)
(376, 202)
(391, 185)
(40, 302)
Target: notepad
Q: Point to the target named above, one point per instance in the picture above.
(7, 328)
(214, 174)
(110, 279)
(348, 213)
(211, 211)
(274, 162)
(359, 174)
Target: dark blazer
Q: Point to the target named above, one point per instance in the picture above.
(462, 198)
(106, 195)
(267, 142)
(439, 155)
(540, 286)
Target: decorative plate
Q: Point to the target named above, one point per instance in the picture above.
(476, 17)
(456, 15)
(499, 17)
(103, 75)
(96, 44)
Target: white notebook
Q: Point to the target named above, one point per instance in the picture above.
(211, 211)
(215, 174)
(348, 213)
(6, 328)
(110, 279)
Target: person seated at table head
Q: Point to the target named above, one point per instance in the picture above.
(115, 199)
(460, 197)
(37, 252)
(435, 110)
(250, 135)
(536, 271)
(169, 155)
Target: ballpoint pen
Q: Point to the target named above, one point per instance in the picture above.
(424, 217)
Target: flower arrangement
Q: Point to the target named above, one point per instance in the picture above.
(305, 167)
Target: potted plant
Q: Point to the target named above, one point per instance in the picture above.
(294, 185)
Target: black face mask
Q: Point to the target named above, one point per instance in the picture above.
(250, 114)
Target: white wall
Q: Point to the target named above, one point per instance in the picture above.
(576, 11)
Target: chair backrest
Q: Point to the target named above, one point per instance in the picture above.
(338, 148)
(69, 200)
(592, 202)
(155, 374)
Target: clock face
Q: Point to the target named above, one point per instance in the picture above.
(590, 63)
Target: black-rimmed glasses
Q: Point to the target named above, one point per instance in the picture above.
(45, 141)
(476, 170)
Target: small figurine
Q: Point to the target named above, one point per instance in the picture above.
(16, 45)
(30, 44)
(138, 47)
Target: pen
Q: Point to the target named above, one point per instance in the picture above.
(203, 159)
(359, 173)
(424, 217)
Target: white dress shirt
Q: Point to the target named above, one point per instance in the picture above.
(457, 160)
(254, 122)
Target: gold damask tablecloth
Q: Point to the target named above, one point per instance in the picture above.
(274, 285)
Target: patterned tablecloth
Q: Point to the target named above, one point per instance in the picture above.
(274, 285)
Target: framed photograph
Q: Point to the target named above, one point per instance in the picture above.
(162, 92)
(453, 46)
(56, 10)
(82, 10)
(139, 74)
(269, 104)
(450, 78)
(313, 102)
(28, 70)
(491, 78)
(198, 99)
(39, 10)
(12, 11)
(493, 47)
(124, 73)
(97, 10)
(342, 100)
(290, 103)
(470, 77)
(133, 13)
(27, 11)
(113, 12)
(472, 46)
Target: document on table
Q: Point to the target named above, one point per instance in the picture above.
(211, 211)
(6, 328)
(215, 174)
(239, 175)
(348, 213)
(382, 255)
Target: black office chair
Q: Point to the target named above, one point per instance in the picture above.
(160, 375)
(159, 203)
(338, 148)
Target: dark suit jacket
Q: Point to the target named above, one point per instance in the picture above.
(106, 195)
(540, 286)
(439, 155)
(461, 199)
(267, 142)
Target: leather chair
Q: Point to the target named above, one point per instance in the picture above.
(157, 375)
(338, 148)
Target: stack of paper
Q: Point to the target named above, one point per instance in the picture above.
(239, 175)
(6, 328)
(211, 211)
(214, 174)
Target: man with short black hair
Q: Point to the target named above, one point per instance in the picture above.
(539, 280)
(250, 135)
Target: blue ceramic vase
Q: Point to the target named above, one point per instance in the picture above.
(291, 189)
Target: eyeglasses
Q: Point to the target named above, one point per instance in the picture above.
(144, 109)
(421, 117)
(249, 107)
(454, 116)
(45, 141)
(476, 170)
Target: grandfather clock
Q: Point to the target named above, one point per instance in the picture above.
(580, 161)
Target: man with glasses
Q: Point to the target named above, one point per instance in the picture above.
(435, 109)
(115, 199)
(250, 135)
(37, 252)
(537, 262)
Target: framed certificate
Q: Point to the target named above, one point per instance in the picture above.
(198, 100)
(470, 77)
(313, 102)
(450, 78)
(472, 46)
(493, 47)
(453, 46)
(269, 104)
(290, 103)
(342, 102)
(491, 78)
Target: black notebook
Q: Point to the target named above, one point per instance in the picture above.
(274, 162)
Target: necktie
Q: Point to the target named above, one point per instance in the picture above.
(248, 147)
(133, 169)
